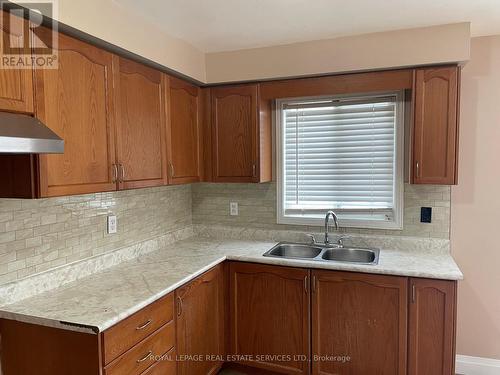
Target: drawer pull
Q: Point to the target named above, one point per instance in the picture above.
(144, 325)
(145, 357)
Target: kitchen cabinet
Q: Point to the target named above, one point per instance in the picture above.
(183, 135)
(435, 128)
(200, 324)
(16, 85)
(76, 102)
(269, 316)
(141, 125)
(241, 135)
(360, 316)
(432, 322)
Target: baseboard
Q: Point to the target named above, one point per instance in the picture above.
(467, 365)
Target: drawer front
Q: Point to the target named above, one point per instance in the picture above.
(127, 333)
(144, 354)
(167, 366)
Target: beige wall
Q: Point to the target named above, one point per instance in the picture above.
(428, 45)
(475, 224)
(107, 20)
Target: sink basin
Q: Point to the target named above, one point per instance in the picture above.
(351, 255)
(320, 253)
(287, 250)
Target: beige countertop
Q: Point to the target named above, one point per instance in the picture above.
(96, 302)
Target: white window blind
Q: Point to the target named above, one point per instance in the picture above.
(340, 154)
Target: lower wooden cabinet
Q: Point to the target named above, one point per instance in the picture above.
(282, 320)
(359, 323)
(269, 317)
(431, 330)
(200, 324)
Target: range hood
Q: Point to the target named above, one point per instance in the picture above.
(22, 134)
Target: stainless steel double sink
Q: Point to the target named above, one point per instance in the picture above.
(323, 253)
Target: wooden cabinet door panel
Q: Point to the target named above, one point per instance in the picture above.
(141, 125)
(183, 131)
(436, 125)
(235, 128)
(76, 101)
(200, 324)
(16, 85)
(360, 316)
(269, 316)
(431, 349)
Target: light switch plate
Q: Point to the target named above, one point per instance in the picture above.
(233, 208)
(112, 224)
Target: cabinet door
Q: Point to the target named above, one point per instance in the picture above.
(436, 126)
(16, 85)
(235, 128)
(76, 102)
(141, 125)
(200, 324)
(183, 132)
(269, 317)
(432, 327)
(358, 323)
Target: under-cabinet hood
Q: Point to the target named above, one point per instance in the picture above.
(22, 134)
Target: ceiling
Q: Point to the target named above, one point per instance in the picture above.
(223, 25)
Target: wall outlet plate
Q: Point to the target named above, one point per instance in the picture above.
(233, 209)
(112, 224)
(426, 214)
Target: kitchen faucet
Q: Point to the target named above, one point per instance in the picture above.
(335, 221)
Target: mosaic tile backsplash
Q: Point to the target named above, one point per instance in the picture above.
(257, 208)
(37, 235)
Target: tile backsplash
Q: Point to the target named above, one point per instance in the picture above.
(36, 235)
(257, 208)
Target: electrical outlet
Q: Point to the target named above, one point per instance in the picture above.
(233, 209)
(426, 214)
(112, 224)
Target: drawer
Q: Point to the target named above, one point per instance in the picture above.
(127, 333)
(167, 366)
(140, 357)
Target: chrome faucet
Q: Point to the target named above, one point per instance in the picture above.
(335, 221)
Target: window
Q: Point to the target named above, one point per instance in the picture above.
(343, 154)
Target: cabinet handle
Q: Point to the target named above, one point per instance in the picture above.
(142, 326)
(314, 284)
(122, 169)
(145, 357)
(179, 306)
(254, 170)
(418, 169)
(413, 293)
(305, 283)
(115, 173)
(172, 170)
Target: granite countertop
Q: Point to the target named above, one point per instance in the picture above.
(95, 303)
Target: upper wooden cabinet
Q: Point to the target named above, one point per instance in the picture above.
(141, 125)
(16, 85)
(269, 317)
(432, 321)
(361, 316)
(184, 103)
(200, 324)
(435, 132)
(239, 136)
(76, 102)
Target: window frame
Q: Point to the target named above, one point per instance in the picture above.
(397, 222)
